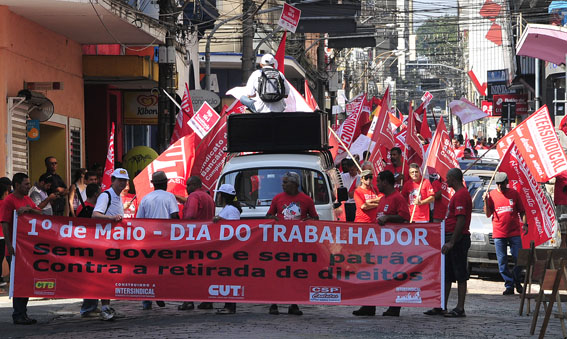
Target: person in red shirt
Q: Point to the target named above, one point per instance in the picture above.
(20, 202)
(419, 194)
(198, 206)
(457, 244)
(4, 191)
(397, 165)
(505, 207)
(392, 208)
(443, 193)
(366, 199)
(291, 204)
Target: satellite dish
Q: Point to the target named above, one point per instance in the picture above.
(39, 107)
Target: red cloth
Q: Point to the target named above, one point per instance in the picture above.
(1, 211)
(199, 206)
(292, 207)
(409, 192)
(440, 205)
(390, 167)
(10, 204)
(393, 204)
(560, 194)
(360, 197)
(505, 217)
(460, 204)
(80, 208)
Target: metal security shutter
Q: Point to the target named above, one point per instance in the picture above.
(18, 148)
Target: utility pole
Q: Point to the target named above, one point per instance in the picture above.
(166, 108)
(321, 70)
(248, 57)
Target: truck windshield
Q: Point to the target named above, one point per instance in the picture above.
(258, 186)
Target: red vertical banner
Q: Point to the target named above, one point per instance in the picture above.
(441, 152)
(109, 164)
(540, 213)
(251, 261)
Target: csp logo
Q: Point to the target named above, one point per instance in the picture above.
(325, 294)
(229, 291)
(44, 286)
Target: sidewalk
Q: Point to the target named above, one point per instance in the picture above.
(489, 315)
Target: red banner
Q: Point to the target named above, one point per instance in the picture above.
(539, 146)
(539, 212)
(210, 155)
(254, 261)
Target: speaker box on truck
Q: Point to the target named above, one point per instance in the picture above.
(277, 132)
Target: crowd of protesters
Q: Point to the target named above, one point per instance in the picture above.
(399, 194)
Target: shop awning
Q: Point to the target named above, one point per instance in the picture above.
(545, 42)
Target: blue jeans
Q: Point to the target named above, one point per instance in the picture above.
(510, 278)
(89, 305)
(248, 102)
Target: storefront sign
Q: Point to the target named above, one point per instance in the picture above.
(487, 107)
(521, 101)
(254, 261)
(497, 83)
(140, 108)
(199, 96)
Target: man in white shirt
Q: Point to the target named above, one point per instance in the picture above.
(159, 204)
(253, 99)
(351, 180)
(38, 193)
(108, 206)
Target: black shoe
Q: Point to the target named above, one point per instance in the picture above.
(365, 311)
(508, 291)
(274, 310)
(25, 320)
(392, 311)
(147, 307)
(187, 305)
(160, 303)
(519, 288)
(435, 311)
(205, 306)
(294, 310)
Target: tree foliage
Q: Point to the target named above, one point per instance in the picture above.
(438, 40)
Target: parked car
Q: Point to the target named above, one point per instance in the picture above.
(482, 253)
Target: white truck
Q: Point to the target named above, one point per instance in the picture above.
(263, 148)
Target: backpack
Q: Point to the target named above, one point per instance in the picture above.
(271, 87)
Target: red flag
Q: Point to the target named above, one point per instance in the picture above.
(537, 141)
(539, 212)
(425, 130)
(563, 124)
(350, 129)
(386, 102)
(109, 165)
(333, 144)
(176, 162)
(413, 141)
(181, 127)
(395, 123)
(280, 54)
(381, 130)
(309, 97)
(441, 153)
(468, 143)
(210, 155)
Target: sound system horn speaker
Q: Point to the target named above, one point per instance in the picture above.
(277, 132)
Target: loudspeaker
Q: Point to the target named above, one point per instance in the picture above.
(277, 132)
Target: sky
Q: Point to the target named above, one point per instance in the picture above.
(425, 9)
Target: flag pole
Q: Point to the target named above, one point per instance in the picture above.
(346, 148)
(479, 158)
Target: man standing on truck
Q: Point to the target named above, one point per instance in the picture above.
(266, 88)
(291, 205)
(506, 208)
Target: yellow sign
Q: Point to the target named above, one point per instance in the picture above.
(140, 108)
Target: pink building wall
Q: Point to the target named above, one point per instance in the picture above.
(32, 53)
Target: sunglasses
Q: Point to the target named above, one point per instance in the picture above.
(368, 177)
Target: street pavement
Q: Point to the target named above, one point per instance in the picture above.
(489, 315)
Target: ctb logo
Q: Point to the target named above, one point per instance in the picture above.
(44, 286)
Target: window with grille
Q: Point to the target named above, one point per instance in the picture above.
(75, 149)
